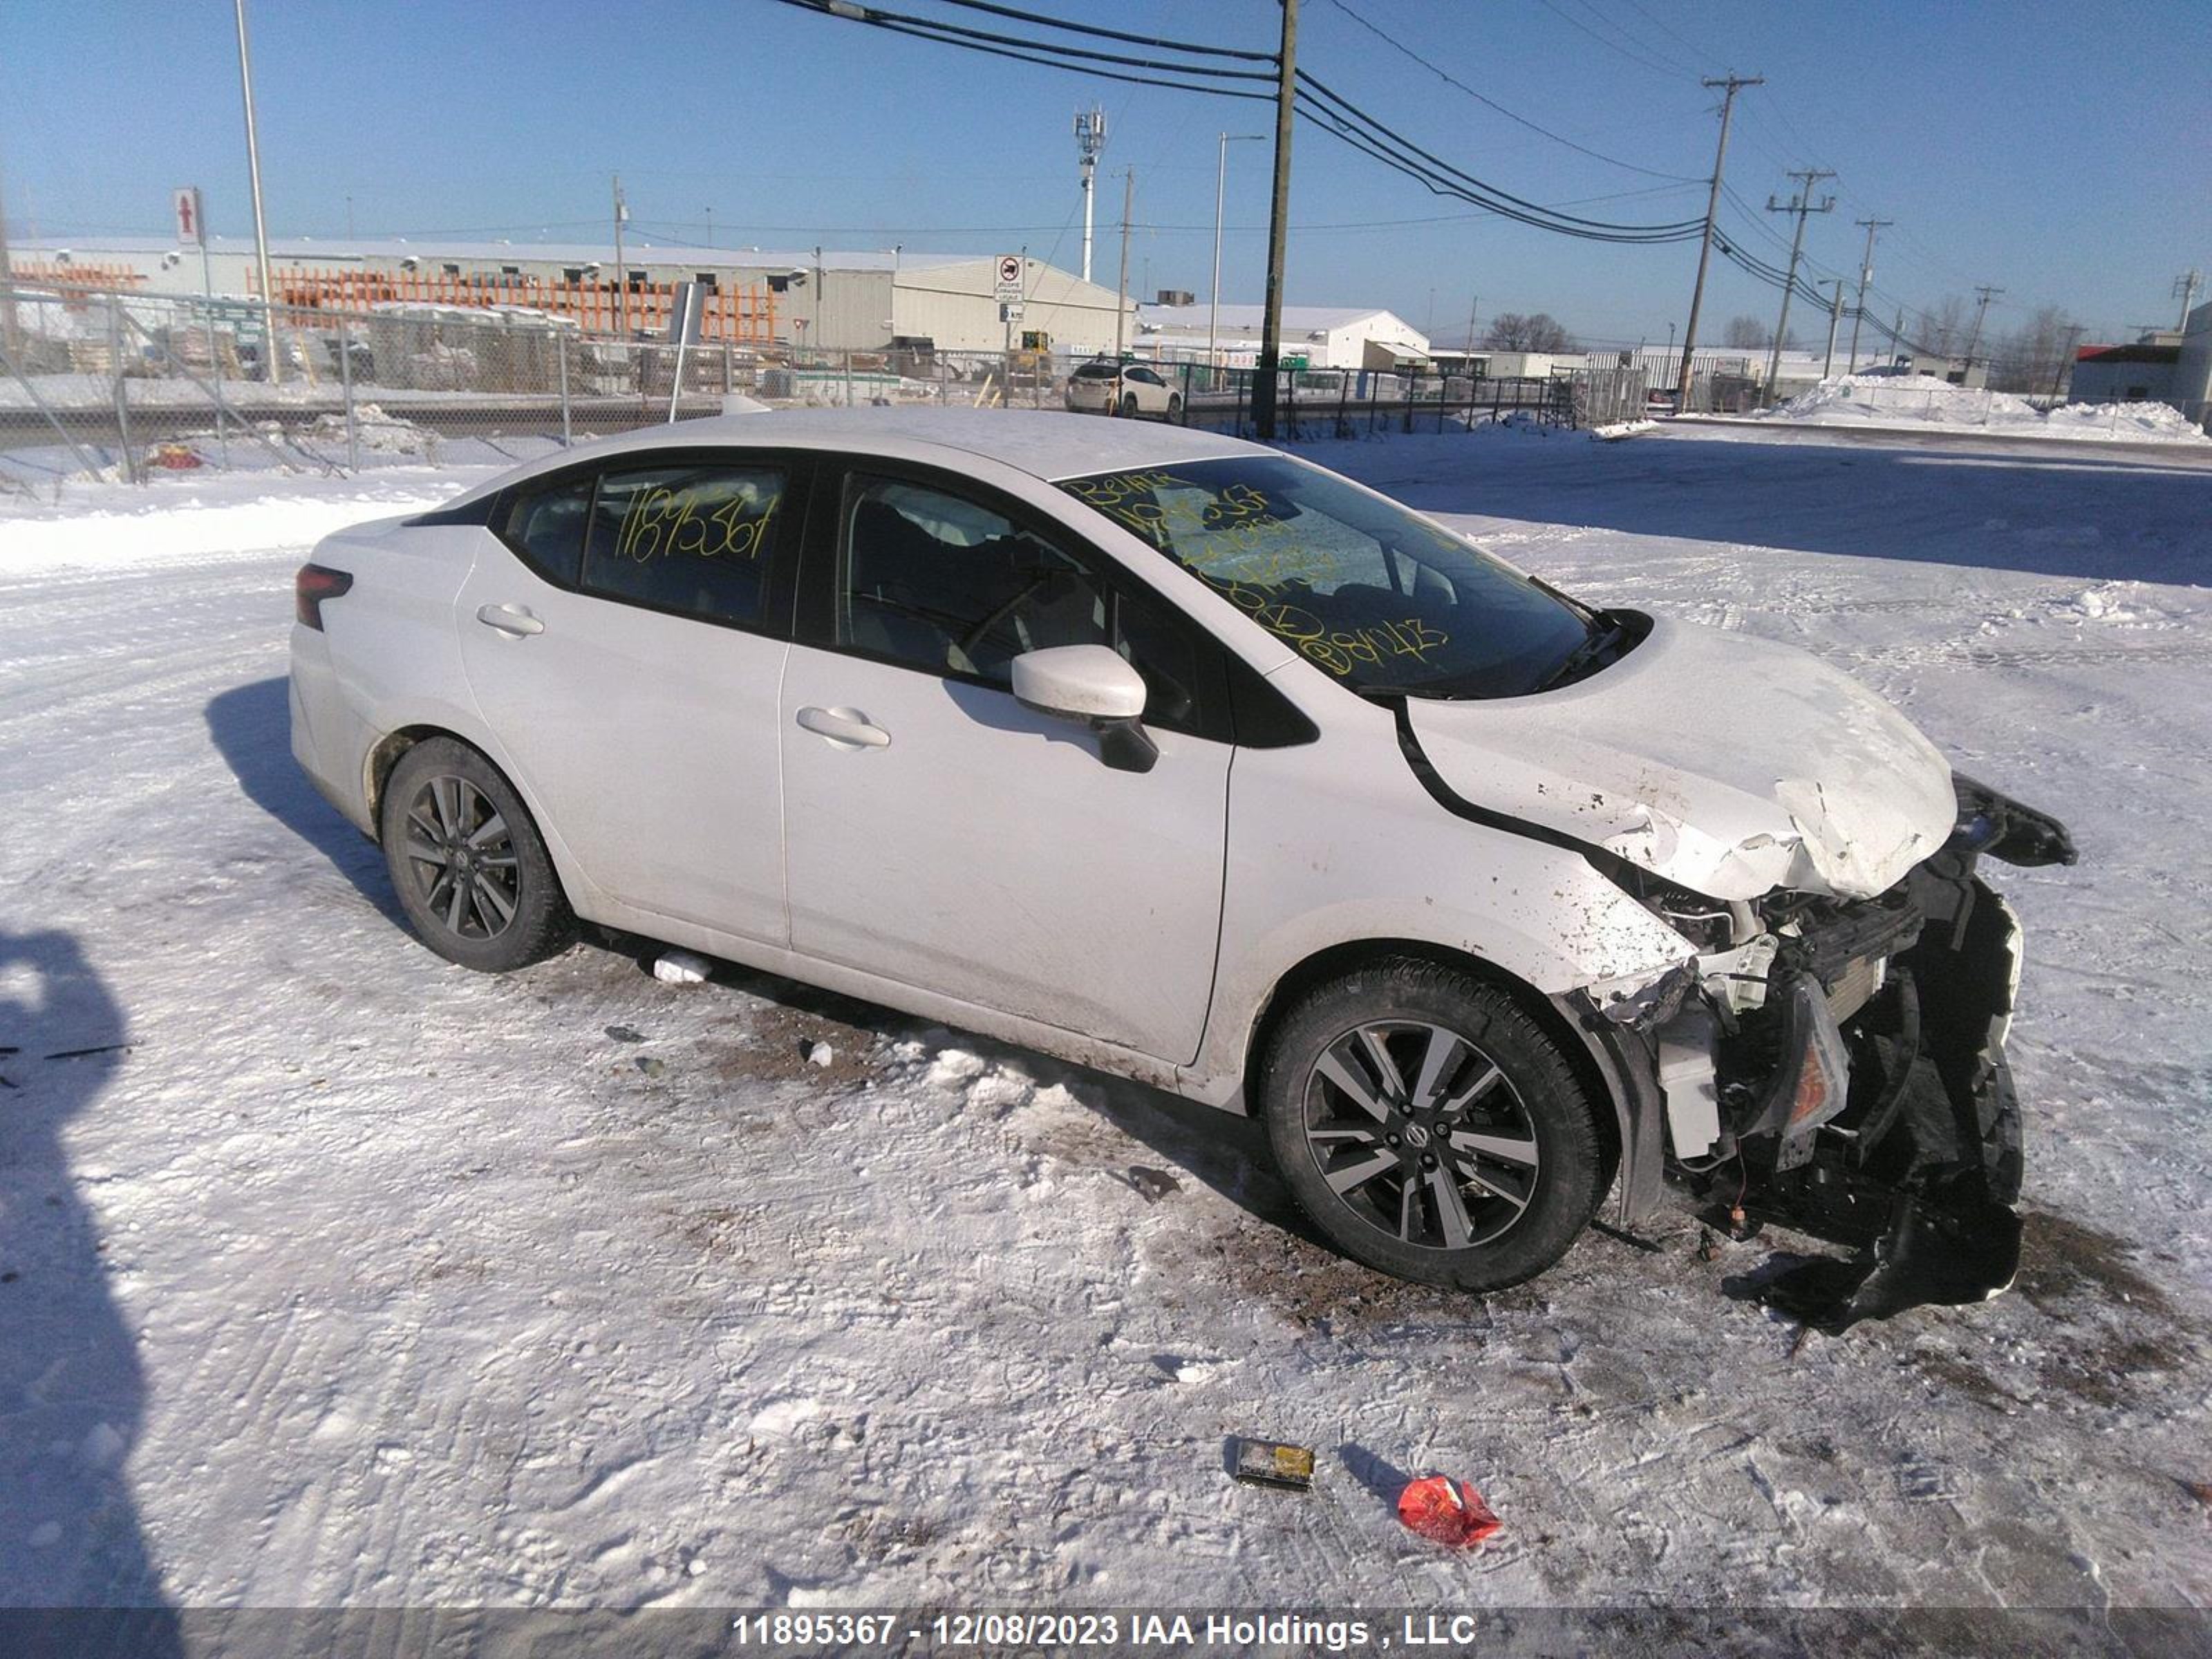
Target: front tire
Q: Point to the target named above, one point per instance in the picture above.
(1174, 406)
(1129, 406)
(470, 868)
(1430, 1127)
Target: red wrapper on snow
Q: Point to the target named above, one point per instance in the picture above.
(1450, 1511)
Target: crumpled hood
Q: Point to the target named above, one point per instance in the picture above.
(1727, 763)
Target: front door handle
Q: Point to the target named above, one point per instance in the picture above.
(848, 727)
(512, 619)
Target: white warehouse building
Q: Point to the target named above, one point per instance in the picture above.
(1326, 337)
(839, 299)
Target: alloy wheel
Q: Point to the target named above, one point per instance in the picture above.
(462, 856)
(1420, 1134)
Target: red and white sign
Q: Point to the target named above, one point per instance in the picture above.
(191, 227)
(1010, 277)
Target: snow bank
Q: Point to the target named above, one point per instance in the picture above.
(238, 516)
(1921, 402)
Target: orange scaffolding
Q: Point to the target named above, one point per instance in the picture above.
(744, 315)
(44, 273)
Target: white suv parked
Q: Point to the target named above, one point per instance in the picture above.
(1104, 388)
(1184, 759)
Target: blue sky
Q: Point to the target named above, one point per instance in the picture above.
(2056, 148)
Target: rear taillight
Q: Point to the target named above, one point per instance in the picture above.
(314, 584)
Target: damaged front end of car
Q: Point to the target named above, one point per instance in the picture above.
(1840, 1068)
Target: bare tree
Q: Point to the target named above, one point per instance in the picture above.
(1747, 334)
(1510, 331)
(1944, 330)
(2032, 357)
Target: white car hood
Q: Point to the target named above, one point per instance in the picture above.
(1727, 763)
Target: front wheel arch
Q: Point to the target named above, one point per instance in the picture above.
(1338, 960)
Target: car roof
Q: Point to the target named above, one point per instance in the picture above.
(1043, 443)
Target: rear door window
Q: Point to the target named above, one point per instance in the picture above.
(697, 539)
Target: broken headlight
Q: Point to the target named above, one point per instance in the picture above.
(1707, 923)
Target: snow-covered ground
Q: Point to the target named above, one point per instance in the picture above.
(330, 1274)
(1922, 403)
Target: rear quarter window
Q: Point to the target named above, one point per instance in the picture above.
(545, 528)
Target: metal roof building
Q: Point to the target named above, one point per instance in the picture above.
(1326, 337)
(836, 298)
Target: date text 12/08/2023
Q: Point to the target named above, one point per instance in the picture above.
(1045, 1633)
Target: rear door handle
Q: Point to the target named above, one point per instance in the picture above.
(848, 727)
(512, 619)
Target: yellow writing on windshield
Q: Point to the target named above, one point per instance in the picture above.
(1233, 541)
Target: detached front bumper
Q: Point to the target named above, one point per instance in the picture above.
(1867, 1100)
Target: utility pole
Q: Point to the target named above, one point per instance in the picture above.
(2058, 376)
(1474, 305)
(2186, 285)
(1090, 139)
(253, 173)
(1802, 205)
(7, 286)
(1866, 276)
(1278, 214)
(1835, 316)
(1981, 311)
(1121, 293)
(622, 277)
(1213, 314)
(1733, 83)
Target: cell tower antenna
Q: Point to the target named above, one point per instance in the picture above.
(1090, 139)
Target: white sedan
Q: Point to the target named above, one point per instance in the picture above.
(1181, 758)
(1133, 389)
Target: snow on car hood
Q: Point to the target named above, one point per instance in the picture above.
(1729, 764)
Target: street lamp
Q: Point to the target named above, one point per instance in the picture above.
(1220, 175)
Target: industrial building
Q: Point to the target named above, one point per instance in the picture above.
(1324, 336)
(2141, 373)
(2165, 365)
(831, 298)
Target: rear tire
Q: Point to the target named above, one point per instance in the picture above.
(1430, 1127)
(466, 860)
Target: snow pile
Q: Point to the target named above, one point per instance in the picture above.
(375, 432)
(1921, 402)
(196, 516)
(2142, 422)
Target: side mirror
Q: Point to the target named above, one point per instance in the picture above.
(1094, 685)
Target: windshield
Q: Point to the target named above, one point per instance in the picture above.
(1371, 593)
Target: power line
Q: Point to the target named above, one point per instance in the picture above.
(1310, 97)
(1097, 32)
(1633, 56)
(1335, 110)
(1490, 103)
(946, 35)
(880, 16)
(1662, 54)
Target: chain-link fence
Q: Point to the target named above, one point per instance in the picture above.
(110, 383)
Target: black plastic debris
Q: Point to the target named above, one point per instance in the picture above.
(1947, 1250)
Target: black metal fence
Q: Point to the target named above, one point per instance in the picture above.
(1314, 403)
